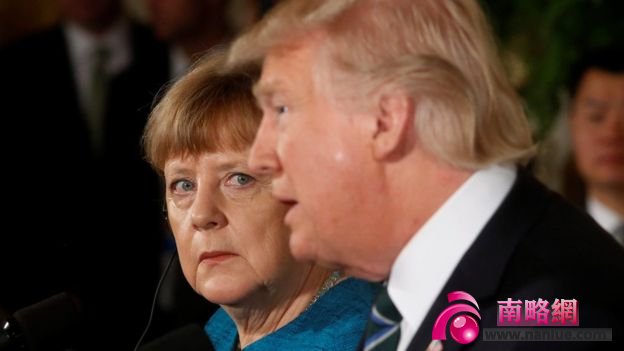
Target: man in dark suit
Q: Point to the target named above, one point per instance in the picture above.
(85, 204)
(393, 133)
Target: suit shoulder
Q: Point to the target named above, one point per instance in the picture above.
(567, 251)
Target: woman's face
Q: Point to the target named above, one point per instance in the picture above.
(228, 229)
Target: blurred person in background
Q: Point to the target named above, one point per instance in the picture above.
(85, 202)
(190, 27)
(595, 177)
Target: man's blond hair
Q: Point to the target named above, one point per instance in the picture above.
(441, 52)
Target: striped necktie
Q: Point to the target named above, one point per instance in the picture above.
(383, 330)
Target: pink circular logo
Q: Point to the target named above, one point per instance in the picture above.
(464, 329)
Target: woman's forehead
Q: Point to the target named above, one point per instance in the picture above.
(219, 160)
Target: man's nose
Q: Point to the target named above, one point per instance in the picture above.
(263, 156)
(613, 126)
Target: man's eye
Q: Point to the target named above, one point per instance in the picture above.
(240, 179)
(281, 109)
(182, 186)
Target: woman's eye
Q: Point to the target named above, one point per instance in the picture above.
(182, 186)
(240, 179)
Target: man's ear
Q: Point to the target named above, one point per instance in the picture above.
(395, 124)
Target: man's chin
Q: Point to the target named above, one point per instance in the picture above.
(302, 248)
(610, 183)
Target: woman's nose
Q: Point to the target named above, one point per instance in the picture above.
(206, 213)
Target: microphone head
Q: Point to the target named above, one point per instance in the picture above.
(187, 338)
(49, 324)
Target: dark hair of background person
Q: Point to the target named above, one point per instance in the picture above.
(610, 59)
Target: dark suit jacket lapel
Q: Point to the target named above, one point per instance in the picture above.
(481, 268)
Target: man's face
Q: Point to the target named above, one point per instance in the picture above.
(597, 124)
(319, 155)
(91, 14)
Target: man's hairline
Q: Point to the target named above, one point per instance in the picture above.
(285, 47)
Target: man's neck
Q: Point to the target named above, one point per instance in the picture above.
(276, 307)
(436, 182)
(431, 184)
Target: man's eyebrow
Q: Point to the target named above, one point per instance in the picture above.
(259, 90)
(595, 103)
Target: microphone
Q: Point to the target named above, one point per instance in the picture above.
(187, 338)
(155, 299)
(50, 324)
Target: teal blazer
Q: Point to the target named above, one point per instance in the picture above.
(336, 321)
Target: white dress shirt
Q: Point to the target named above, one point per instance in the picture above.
(179, 63)
(606, 217)
(430, 257)
(82, 45)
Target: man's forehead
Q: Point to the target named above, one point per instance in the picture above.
(269, 83)
(281, 66)
(597, 78)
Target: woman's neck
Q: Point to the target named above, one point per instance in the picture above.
(275, 307)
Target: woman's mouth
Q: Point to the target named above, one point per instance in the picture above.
(215, 256)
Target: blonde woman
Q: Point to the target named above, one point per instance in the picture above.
(229, 230)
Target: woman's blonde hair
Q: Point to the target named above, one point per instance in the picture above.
(209, 109)
(441, 52)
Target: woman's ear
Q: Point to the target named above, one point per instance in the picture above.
(394, 125)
